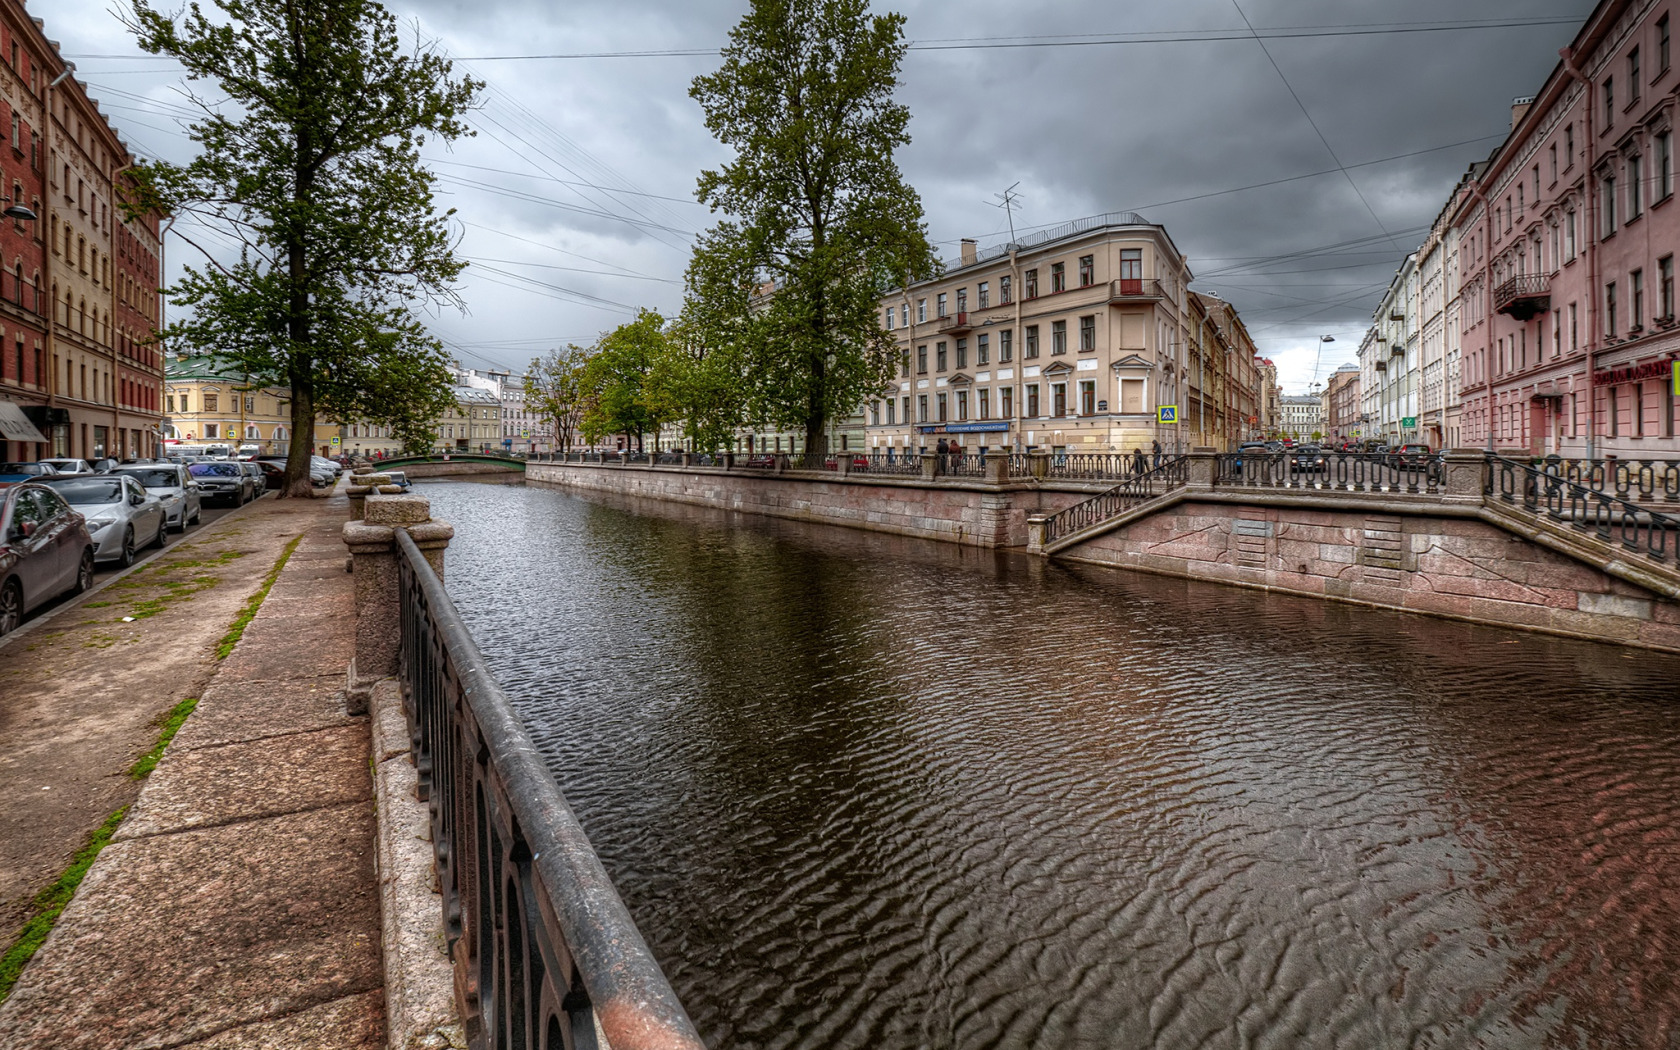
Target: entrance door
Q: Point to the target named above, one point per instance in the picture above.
(1539, 426)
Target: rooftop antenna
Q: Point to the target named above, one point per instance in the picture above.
(1007, 201)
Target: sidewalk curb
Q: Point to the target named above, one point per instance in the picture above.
(151, 556)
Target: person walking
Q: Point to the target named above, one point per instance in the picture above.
(1156, 449)
(1139, 463)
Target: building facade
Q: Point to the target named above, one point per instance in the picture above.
(1568, 238)
(25, 421)
(473, 423)
(1342, 405)
(522, 431)
(207, 403)
(1301, 419)
(1074, 339)
(1389, 356)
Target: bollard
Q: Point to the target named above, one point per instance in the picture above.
(997, 469)
(932, 467)
(373, 562)
(1035, 533)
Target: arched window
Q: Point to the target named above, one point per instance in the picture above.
(280, 434)
(252, 433)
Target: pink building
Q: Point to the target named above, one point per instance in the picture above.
(1567, 241)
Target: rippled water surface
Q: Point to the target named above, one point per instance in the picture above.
(862, 791)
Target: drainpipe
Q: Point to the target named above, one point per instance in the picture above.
(49, 357)
(1590, 211)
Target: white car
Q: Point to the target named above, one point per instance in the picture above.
(183, 503)
(121, 516)
(70, 466)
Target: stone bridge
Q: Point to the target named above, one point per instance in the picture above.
(454, 464)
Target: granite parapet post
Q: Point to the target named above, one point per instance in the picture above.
(373, 563)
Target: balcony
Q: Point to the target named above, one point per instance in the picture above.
(1523, 297)
(957, 325)
(1380, 364)
(1128, 290)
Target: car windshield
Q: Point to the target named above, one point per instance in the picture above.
(156, 479)
(220, 470)
(85, 491)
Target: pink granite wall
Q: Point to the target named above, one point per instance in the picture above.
(1445, 566)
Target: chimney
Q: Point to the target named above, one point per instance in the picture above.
(970, 252)
(1519, 109)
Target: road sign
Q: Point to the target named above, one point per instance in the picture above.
(1408, 422)
(335, 442)
(1166, 414)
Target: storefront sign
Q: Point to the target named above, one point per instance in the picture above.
(989, 427)
(1635, 373)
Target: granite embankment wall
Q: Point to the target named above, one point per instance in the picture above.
(1424, 555)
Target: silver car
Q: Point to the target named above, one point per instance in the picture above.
(170, 482)
(120, 515)
(70, 466)
(44, 551)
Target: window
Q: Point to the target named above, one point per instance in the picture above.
(944, 406)
(1554, 162)
(1662, 44)
(210, 402)
(1032, 284)
(1058, 277)
(907, 410)
(210, 430)
(1609, 206)
(1636, 285)
(1006, 346)
(889, 318)
(1058, 399)
(941, 356)
(1610, 308)
(1574, 329)
(1636, 183)
(1032, 342)
(1665, 165)
(1519, 198)
(921, 311)
(1058, 337)
(921, 359)
(1004, 289)
(1032, 399)
(1131, 264)
(1557, 333)
(985, 404)
(1568, 147)
(962, 300)
(169, 400)
(1087, 270)
(1006, 402)
(1131, 396)
(1088, 333)
(1537, 185)
(1088, 397)
(921, 408)
(982, 349)
(1569, 235)
(875, 413)
(962, 353)
(904, 363)
(962, 406)
(1665, 289)
(891, 415)
(985, 294)
(941, 312)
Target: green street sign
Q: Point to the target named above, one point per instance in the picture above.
(1408, 421)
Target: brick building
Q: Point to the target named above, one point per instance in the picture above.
(24, 62)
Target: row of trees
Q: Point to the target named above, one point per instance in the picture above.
(310, 166)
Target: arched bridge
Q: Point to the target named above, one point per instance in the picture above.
(453, 464)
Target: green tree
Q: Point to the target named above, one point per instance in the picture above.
(615, 379)
(821, 220)
(555, 391)
(698, 385)
(310, 163)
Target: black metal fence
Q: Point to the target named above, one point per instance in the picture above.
(1609, 517)
(907, 465)
(1173, 473)
(1098, 466)
(1638, 480)
(544, 949)
(1332, 471)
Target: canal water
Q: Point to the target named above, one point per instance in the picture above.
(865, 791)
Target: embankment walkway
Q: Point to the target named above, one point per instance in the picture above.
(237, 905)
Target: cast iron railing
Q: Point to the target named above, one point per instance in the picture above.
(543, 948)
(1140, 488)
(1605, 515)
(1102, 466)
(1636, 480)
(907, 465)
(1020, 465)
(1332, 472)
(963, 464)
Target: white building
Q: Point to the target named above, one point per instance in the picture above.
(521, 430)
(1389, 361)
(1302, 416)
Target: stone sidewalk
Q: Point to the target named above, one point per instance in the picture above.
(238, 904)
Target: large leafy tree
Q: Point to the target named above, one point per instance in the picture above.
(616, 379)
(820, 220)
(310, 164)
(555, 390)
(697, 385)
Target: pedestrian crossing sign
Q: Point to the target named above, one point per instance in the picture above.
(1166, 414)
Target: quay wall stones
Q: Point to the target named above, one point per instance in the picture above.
(1433, 558)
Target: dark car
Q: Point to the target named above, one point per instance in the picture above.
(222, 480)
(1410, 456)
(45, 550)
(1252, 450)
(1307, 459)
(274, 474)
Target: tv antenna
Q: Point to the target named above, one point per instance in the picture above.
(1007, 201)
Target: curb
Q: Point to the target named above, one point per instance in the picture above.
(151, 555)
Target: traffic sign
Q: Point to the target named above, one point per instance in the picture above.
(1408, 421)
(335, 442)
(1166, 414)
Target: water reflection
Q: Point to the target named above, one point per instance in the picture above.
(864, 791)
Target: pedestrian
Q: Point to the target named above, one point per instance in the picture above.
(1139, 463)
(1156, 449)
(944, 447)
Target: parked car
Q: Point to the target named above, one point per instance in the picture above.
(45, 551)
(274, 474)
(1253, 450)
(335, 469)
(120, 514)
(70, 466)
(16, 473)
(259, 483)
(399, 479)
(318, 475)
(1308, 459)
(227, 482)
(170, 483)
(1410, 456)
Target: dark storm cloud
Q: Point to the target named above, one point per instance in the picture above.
(1083, 129)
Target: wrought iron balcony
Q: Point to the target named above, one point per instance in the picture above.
(955, 325)
(1523, 297)
(1135, 290)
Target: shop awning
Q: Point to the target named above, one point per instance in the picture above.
(15, 426)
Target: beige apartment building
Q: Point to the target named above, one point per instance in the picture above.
(1074, 339)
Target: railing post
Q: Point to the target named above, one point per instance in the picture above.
(1466, 473)
(997, 469)
(729, 461)
(373, 563)
(1201, 467)
(1038, 464)
(364, 485)
(843, 463)
(624, 457)
(931, 466)
(1035, 533)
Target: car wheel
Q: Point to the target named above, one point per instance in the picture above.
(84, 571)
(198, 516)
(162, 538)
(11, 606)
(126, 558)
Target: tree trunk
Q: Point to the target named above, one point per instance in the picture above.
(298, 456)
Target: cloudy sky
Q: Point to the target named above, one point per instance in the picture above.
(1295, 164)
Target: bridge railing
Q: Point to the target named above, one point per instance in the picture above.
(1637, 480)
(907, 464)
(1332, 472)
(544, 950)
(1173, 473)
(1098, 466)
(1609, 517)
